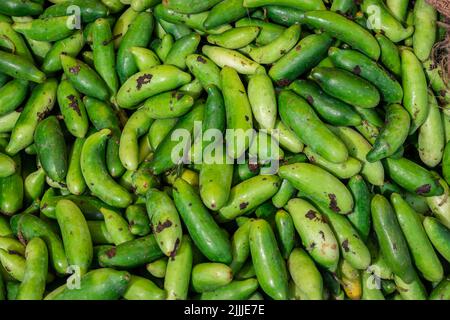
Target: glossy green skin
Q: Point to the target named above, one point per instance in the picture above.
(204, 69)
(393, 135)
(215, 114)
(175, 30)
(138, 220)
(248, 195)
(89, 10)
(442, 291)
(29, 226)
(104, 55)
(415, 89)
(20, 68)
(263, 101)
(163, 46)
(368, 69)
(306, 5)
(102, 116)
(141, 5)
(439, 235)
(399, 8)
(353, 249)
(238, 109)
(268, 33)
(32, 286)
(343, 6)
(205, 232)
(284, 194)
(131, 254)
(285, 232)
(415, 290)
(139, 87)
(215, 183)
(137, 125)
(41, 102)
(210, 276)
(390, 55)
(360, 217)
(13, 265)
(14, 41)
(287, 138)
(193, 6)
(240, 247)
(235, 38)
(116, 226)
(413, 177)
(171, 104)
(20, 8)
(230, 58)
(114, 6)
(51, 148)
(34, 184)
(90, 206)
(5, 229)
(7, 165)
(358, 147)
(305, 55)
(165, 221)
(158, 267)
(275, 50)
(96, 175)
(344, 170)
(194, 21)
(315, 233)
(47, 29)
(345, 30)
(342, 85)
(122, 25)
(236, 290)
(424, 38)
(300, 117)
(330, 109)
(330, 193)
(181, 49)
(391, 240)
(74, 179)
(99, 234)
(144, 58)
(11, 190)
(99, 284)
(369, 289)
(71, 46)
(225, 12)
(431, 140)
(162, 160)
(439, 205)
(283, 15)
(305, 274)
(75, 235)
(84, 79)
(141, 288)
(425, 259)
(381, 20)
(12, 94)
(137, 35)
(178, 271)
(267, 260)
